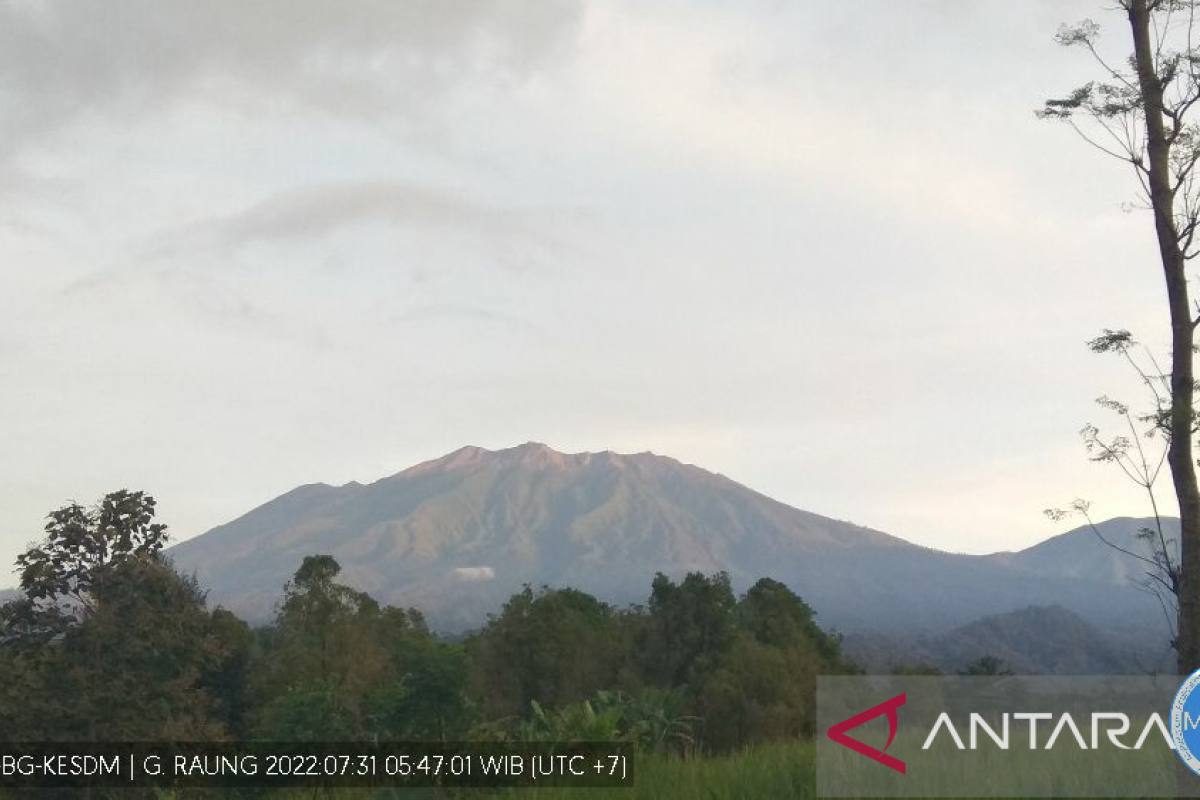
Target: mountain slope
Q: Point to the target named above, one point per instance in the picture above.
(1037, 640)
(457, 535)
(1082, 553)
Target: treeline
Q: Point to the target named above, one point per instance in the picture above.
(109, 643)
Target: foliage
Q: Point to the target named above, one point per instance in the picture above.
(757, 693)
(82, 547)
(576, 722)
(338, 666)
(776, 616)
(1111, 114)
(80, 542)
(691, 625)
(1139, 450)
(652, 718)
(987, 665)
(552, 646)
(657, 721)
(435, 704)
(109, 642)
(308, 713)
(916, 669)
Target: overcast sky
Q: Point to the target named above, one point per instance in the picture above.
(823, 248)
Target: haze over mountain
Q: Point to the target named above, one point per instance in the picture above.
(1036, 640)
(456, 536)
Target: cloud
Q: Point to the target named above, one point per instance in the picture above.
(320, 211)
(736, 94)
(64, 61)
(12, 349)
(444, 312)
(177, 294)
(473, 574)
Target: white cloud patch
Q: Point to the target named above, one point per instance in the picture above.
(473, 574)
(308, 213)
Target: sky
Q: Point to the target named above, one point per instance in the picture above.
(824, 249)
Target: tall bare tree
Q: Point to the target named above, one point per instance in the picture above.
(1140, 113)
(1139, 449)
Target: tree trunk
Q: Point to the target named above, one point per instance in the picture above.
(1179, 454)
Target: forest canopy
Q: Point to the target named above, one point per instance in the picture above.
(109, 642)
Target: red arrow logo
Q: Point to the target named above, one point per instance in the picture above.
(838, 732)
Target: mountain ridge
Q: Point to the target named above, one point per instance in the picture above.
(1035, 640)
(456, 535)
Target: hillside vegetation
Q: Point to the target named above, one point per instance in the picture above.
(108, 642)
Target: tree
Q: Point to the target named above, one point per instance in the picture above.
(328, 670)
(108, 641)
(1139, 450)
(135, 669)
(337, 665)
(224, 683)
(83, 546)
(761, 686)
(758, 692)
(317, 626)
(691, 625)
(1140, 113)
(435, 705)
(775, 615)
(556, 647)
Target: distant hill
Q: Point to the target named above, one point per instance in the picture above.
(457, 535)
(1081, 554)
(1032, 640)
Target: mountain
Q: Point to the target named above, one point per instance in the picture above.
(1037, 640)
(457, 535)
(1076, 554)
